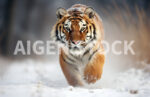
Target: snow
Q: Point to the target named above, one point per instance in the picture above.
(34, 78)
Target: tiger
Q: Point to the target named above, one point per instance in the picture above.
(79, 32)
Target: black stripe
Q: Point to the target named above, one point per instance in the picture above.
(66, 61)
(91, 29)
(70, 59)
(86, 22)
(69, 63)
(60, 32)
(94, 32)
(75, 19)
(87, 51)
(57, 32)
(75, 57)
(93, 54)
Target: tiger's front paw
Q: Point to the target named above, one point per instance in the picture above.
(92, 74)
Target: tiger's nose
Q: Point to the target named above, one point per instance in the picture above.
(75, 42)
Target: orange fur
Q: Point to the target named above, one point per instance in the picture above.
(93, 69)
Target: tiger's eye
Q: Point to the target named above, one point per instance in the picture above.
(65, 24)
(84, 24)
(67, 28)
(82, 29)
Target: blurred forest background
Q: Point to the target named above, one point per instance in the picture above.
(33, 20)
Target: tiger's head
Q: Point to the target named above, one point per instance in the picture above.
(75, 29)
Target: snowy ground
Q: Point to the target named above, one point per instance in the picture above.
(29, 78)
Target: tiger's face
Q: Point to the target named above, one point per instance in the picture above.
(75, 30)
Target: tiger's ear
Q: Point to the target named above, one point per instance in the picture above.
(61, 12)
(89, 12)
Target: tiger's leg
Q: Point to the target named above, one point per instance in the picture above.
(71, 73)
(94, 68)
